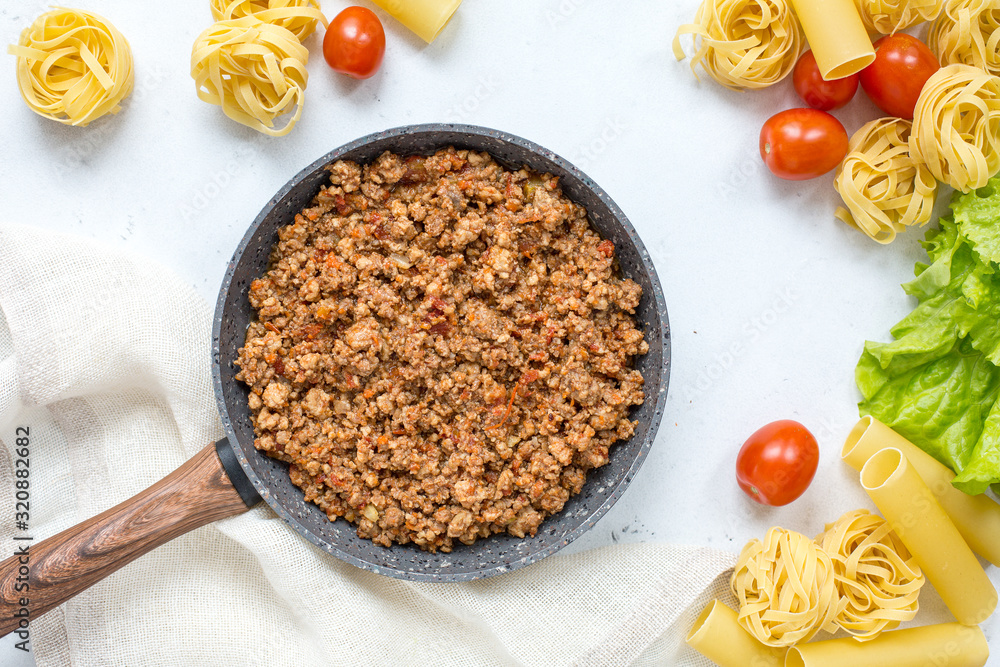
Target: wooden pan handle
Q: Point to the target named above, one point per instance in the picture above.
(197, 493)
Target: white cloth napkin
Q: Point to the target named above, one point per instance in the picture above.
(104, 357)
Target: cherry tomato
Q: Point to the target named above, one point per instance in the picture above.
(355, 43)
(777, 463)
(818, 92)
(901, 67)
(802, 143)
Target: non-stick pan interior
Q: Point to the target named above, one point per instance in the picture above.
(498, 553)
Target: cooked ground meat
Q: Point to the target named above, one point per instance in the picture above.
(442, 350)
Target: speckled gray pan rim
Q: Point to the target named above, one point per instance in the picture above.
(498, 553)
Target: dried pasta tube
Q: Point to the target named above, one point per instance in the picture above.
(977, 518)
(937, 546)
(717, 635)
(836, 35)
(951, 644)
(426, 18)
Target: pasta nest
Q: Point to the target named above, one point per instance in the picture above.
(786, 589)
(956, 126)
(967, 32)
(874, 573)
(73, 66)
(888, 16)
(884, 188)
(743, 43)
(298, 16)
(255, 71)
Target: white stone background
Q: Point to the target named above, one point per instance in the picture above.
(770, 297)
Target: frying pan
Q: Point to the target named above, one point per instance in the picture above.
(228, 477)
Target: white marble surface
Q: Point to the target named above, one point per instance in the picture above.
(770, 298)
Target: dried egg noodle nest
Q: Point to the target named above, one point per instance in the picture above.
(255, 71)
(744, 43)
(967, 32)
(956, 126)
(73, 66)
(874, 572)
(888, 16)
(297, 16)
(786, 589)
(884, 188)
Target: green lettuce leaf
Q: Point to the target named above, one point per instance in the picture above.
(939, 405)
(985, 460)
(938, 382)
(977, 213)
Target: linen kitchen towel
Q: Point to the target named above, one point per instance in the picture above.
(105, 361)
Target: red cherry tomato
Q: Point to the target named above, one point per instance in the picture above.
(802, 143)
(355, 43)
(901, 67)
(816, 91)
(777, 463)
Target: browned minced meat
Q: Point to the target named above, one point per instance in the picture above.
(442, 349)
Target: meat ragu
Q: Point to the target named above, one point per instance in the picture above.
(443, 348)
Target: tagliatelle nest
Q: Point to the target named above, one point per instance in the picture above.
(744, 43)
(73, 66)
(968, 32)
(874, 572)
(298, 16)
(889, 16)
(255, 71)
(883, 187)
(786, 589)
(956, 126)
